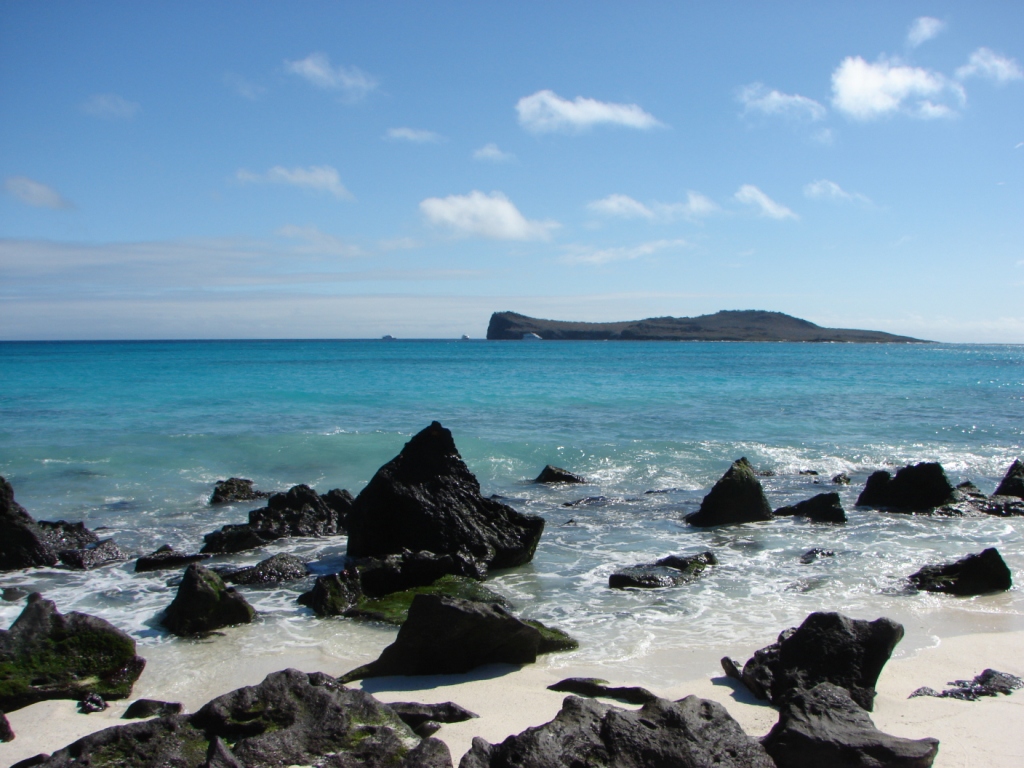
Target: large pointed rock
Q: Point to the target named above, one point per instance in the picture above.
(204, 603)
(736, 498)
(49, 655)
(1013, 482)
(972, 575)
(825, 727)
(915, 488)
(22, 543)
(427, 499)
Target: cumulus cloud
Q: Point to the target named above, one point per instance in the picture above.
(867, 91)
(547, 112)
(985, 62)
(823, 189)
(35, 193)
(492, 154)
(319, 178)
(923, 29)
(414, 135)
(110, 106)
(582, 254)
(621, 206)
(757, 98)
(317, 70)
(493, 216)
(748, 194)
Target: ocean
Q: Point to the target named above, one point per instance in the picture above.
(131, 436)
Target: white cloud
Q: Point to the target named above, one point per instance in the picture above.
(823, 189)
(319, 178)
(748, 194)
(413, 135)
(757, 98)
(924, 29)
(319, 243)
(621, 206)
(35, 193)
(492, 216)
(110, 106)
(546, 112)
(492, 154)
(316, 69)
(244, 88)
(867, 91)
(697, 206)
(985, 62)
(580, 254)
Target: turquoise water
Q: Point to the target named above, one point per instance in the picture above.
(131, 436)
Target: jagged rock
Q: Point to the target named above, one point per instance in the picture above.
(381, 576)
(595, 687)
(670, 571)
(971, 575)
(811, 555)
(446, 635)
(417, 715)
(969, 489)
(736, 498)
(47, 655)
(553, 474)
(915, 488)
(22, 543)
(340, 500)
(164, 558)
(1013, 482)
(690, 733)
(92, 702)
(299, 512)
(291, 718)
(93, 556)
(273, 570)
(826, 648)
(823, 508)
(427, 499)
(151, 708)
(6, 732)
(841, 479)
(1000, 506)
(825, 727)
(64, 535)
(235, 489)
(204, 603)
(988, 683)
(334, 594)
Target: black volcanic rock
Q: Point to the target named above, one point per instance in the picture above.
(553, 474)
(825, 727)
(989, 683)
(594, 687)
(736, 498)
(335, 594)
(741, 325)
(689, 733)
(166, 557)
(151, 708)
(972, 575)
(235, 489)
(915, 488)
(1013, 482)
(6, 732)
(49, 655)
(381, 576)
(427, 499)
(823, 508)
(670, 571)
(93, 556)
(22, 543)
(273, 570)
(63, 535)
(204, 603)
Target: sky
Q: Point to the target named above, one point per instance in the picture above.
(351, 169)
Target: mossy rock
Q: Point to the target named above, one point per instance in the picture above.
(552, 640)
(204, 603)
(394, 608)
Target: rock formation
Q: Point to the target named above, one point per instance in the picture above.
(595, 687)
(204, 603)
(235, 489)
(736, 498)
(670, 571)
(915, 488)
(273, 570)
(164, 558)
(1013, 483)
(553, 474)
(823, 508)
(971, 575)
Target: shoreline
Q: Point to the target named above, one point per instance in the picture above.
(510, 699)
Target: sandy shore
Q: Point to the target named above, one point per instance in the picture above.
(508, 699)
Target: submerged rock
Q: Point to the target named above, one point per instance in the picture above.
(49, 655)
(671, 571)
(427, 499)
(553, 474)
(204, 603)
(594, 687)
(164, 558)
(689, 733)
(334, 594)
(823, 508)
(825, 727)
(811, 555)
(1013, 482)
(235, 489)
(841, 479)
(736, 498)
(971, 575)
(273, 570)
(151, 708)
(92, 556)
(915, 488)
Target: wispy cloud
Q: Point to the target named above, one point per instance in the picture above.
(110, 106)
(620, 206)
(492, 154)
(547, 112)
(315, 242)
(823, 189)
(585, 254)
(696, 206)
(319, 178)
(986, 63)
(317, 70)
(748, 194)
(867, 91)
(478, 214)
(757, 98)
(923, 29)
(35, 193)
(413, 135)
(244, 88)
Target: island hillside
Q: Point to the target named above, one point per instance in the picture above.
(728, 325)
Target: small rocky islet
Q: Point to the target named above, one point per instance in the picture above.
(421, 540)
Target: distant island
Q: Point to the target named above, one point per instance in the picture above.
(728, 325)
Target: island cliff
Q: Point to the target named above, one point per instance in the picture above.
(728, 325)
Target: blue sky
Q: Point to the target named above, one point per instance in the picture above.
(233, 170)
